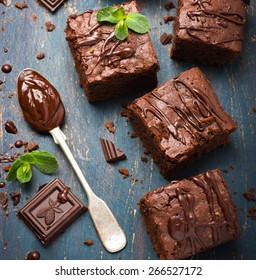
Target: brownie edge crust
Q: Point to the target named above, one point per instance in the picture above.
(180, 121)
(190, 216)
(108, 67)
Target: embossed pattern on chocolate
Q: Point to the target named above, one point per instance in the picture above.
(190, 216)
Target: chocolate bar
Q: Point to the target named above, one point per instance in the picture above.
(51, 211)
(52, 5)
(111, 152)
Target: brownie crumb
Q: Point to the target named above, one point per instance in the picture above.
(49, 26)
(250, 194)
(110, 126)
(132, 134)
(125, 112)
(251, 212)
(21, 5)
(169, 5)
(124, 172)
(89, 242)
(166, 39)
(144, 159)
(15, 196)
(168, 17)
(40, 55)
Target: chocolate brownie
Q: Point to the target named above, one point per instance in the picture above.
(189, 216)
(108, 67)
(209, 31)
(180, 120)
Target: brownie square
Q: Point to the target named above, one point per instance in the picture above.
(108, 67)
(180, 121)
(209, 31)
(190, 216)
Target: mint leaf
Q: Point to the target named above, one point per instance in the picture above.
(137, 22)
(27, 158)
(45, 161)
(105, 14)
(121, 31)
(24, 173)
(12, 172)
(119, 13)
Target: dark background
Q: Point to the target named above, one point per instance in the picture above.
(23, 32)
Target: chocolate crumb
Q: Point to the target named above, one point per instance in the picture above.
(6, 168)
(40, 55)
(4, 200)
(251, 212)
(89, 242)
(169, 5)
(10, 95)
(125, 112)
(168, 17)
(49, 26)
(166, 39)
(2, 185)
(1, 82)
(135, 179)
(6, 50)
(110, 126)
(144, 159)
(132, 134)
(250, 194)
(124, 172)
(21, 5)
(31, 146)
(15, 196)
(18, 144)
(146, 152)
(10, 127)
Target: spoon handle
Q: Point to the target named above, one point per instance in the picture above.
(107, 227)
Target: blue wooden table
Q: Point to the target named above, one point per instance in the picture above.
(24, 34)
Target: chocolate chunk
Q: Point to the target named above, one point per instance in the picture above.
(165, 39)
(18, 144)
(31, 146)
(33, 255)
(46, 216)
(110, 126)
(6, 168)
(52, 5)
(111, 152)
(2, 185)
(169, 5)
(10, 127)
(40, 55)
(168, 18)
(6, 68)
(21, 5)
(49, 26)
(88, 242)
(4, 199)
(45, 115)
(15, 196)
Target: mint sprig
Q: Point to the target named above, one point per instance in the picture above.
(21, 169)
(134, 21)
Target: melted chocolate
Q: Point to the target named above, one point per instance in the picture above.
(111, 51)
(10, 127)
(183, 228)
(189, 116)
(222, 20)
(40, 102)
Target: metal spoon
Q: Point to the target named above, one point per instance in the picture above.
(31, 83)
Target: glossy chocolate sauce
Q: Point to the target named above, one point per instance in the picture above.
(189, 116)
(111, 52)
(184, 228)
(40, 102)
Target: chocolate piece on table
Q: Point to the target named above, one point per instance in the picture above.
(111, 152)
(190, 216)
(47, 215)
(169, 5)
(44, 113)
(6, 68)
(10, 127)
(52, 5)
(21, 5)
(33, 255)
(209, 32)
(107, 66)
(180, 121)
(15, 196)
(168, 18)
(166, 39)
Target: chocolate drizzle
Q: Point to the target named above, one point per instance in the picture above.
(111, 50)
(222, 20)
(197, 111)
(39, 100)
(184, 227)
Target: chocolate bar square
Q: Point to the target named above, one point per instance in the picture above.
(51, 211)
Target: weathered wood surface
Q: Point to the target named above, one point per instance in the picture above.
(23, 32)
